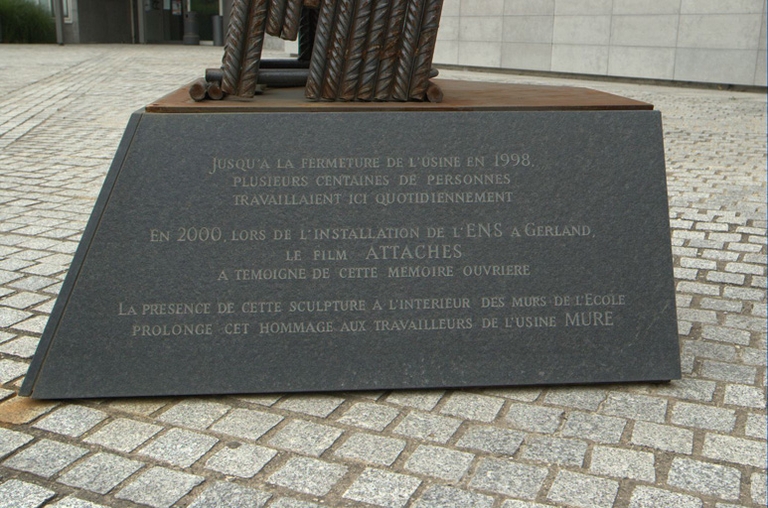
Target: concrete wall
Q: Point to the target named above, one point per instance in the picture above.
(711, 41)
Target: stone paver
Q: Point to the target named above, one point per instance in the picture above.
(696, 442)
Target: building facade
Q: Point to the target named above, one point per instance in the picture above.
(705, 41)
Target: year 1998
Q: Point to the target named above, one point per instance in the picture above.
(503, 160)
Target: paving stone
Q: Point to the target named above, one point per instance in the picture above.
(492, 439)
(703, 417)
(756, 425)
(6, 394)
(71, 420)
(18, 410)
(735, 450)
(246, 423)
(159, 487)
(262, 400)
(728, 372)
(579, 398)
(746, 396)
(9, 316)
(635, 407)
(10, 370)
(243, 460)
(195, 414)
(723, 334)
(370, 448)
(423, 399)
(144, 406)
(10, 441)
(758, 483)
(23, 347)
(100, 473)
(534, 418)
(509, 478)
(706, 349)
(73, 502)
(441, 496)
(690, 389)
(705, 478)
(620, 463)
(663, 437)
(649, 497)
(230, 495)
(123, 435)
(471, 406)
(45, 458)
(369, 416)
(581, 490)
(603, 429)
(554, 450)
(314, 405)
(310, 476)
(285, 502)
(179, 447)
(306, 437)
(428, 427)
(439, 462)
(382, 488)
(19, 494)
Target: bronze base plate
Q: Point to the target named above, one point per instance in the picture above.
(459, 96)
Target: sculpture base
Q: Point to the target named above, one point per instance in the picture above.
(285, 251)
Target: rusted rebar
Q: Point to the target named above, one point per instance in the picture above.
(389, 51)
(370, 65)
(409, 42)
(307, 27)
(425, 49)
(355, 50)
(275, 17)
(257, 23)
(337, 51)
(291, 20)
(231, 63)
(320, 50)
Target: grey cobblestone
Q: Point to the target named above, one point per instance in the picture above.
(382, 488)
(439, 462)
(19, 494)
(509, 478)
(179, 447)
(378, 450)
(62, 114)
(242, 459)
(45, 458)
(492, 440)
(554, 450)
(100, 473)
(305, 437)
(582, 490)
(649, 497)
(621, 463)
(72, 421)
(159, 487)
(705, 478)
(230, 495)
(310, 476)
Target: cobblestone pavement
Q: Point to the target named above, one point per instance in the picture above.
(698, 442)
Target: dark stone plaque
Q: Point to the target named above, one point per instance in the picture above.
(275, 252)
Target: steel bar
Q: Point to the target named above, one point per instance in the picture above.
(426, 47)
(434, 93)
(307, 28)
(409, 42)
(197, 90)
(214, 91)
(338, 46)
(233, 48)
(320, 49)
(256, 28)
(355, 50)
(370, 66)
(214, 74)
(281, 78)
(390, 50)
(291, 20)
(275, 17)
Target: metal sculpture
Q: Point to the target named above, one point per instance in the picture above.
(349, 50)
